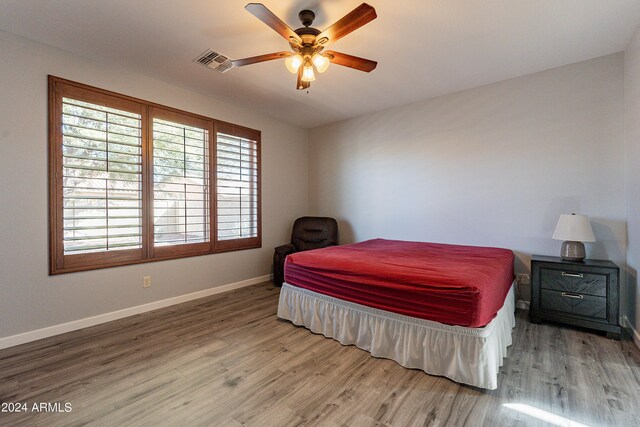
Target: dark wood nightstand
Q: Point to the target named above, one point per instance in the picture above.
(583, 293)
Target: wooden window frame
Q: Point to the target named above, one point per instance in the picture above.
(250, 242)
(59, 262)
(187, 249)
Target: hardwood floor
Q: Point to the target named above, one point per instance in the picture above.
(226, 360)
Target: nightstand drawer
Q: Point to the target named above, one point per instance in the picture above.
(573, 303)
(574, 281)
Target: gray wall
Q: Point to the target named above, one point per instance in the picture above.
(632, 137)
(29, 298)
(492, 166)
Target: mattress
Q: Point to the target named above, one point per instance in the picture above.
(450, 284)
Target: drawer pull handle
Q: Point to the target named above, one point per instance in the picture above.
(576, 296)
(573, 274)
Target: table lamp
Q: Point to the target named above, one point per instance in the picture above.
(573, 230)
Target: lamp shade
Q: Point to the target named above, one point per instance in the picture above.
(307, 72)
(321, 62)
(293, 63)
(574, 228)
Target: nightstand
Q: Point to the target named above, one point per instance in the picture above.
(582, 293)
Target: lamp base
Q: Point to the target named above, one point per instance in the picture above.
(572, 251)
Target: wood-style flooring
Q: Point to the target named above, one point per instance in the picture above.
(226, 360)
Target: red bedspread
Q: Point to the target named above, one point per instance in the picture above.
(452, 284)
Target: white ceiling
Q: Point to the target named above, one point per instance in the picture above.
(424, 48)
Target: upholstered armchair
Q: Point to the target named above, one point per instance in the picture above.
(309, 232)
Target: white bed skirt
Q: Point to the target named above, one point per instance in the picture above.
(466, 355)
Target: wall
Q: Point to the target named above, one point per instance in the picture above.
(493, 166)
(29, 298)
(632, 138)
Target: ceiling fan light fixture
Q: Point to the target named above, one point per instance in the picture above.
(321, 62)
(307, 72)
(293, 62)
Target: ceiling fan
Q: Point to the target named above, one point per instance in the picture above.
(307, 43)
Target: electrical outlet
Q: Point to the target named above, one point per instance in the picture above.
(146, 281)
(523, 278)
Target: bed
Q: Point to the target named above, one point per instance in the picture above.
(445, 309)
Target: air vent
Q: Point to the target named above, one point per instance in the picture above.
(214, 60)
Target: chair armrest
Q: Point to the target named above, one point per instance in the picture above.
(285, 250)
(279, 256)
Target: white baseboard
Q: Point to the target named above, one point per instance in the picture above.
(634, 333)
(62, 328)
(522, 304)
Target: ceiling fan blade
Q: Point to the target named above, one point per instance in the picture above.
(265, 15)
(350, 22)
(300, 85)
(351, 61)
(259, 58)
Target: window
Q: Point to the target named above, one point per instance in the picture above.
(182, 194)
(238, 181)
(101, 178)
(131, 181)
